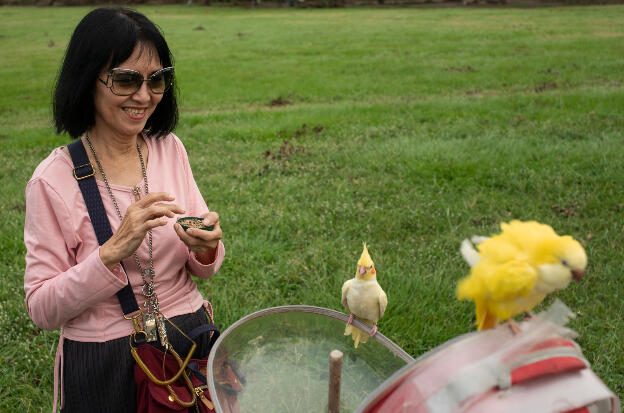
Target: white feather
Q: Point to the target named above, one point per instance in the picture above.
(470, 254)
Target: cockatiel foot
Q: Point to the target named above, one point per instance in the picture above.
(373, 330)
(350, 320)
(513, 326)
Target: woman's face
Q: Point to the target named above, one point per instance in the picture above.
(125, 116)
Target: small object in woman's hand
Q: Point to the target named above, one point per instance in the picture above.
(194, 222)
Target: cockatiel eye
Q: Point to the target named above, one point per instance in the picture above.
(564, 263)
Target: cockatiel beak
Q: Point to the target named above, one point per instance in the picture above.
(577, 275)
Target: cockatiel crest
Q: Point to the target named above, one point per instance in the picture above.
(366, 267)
(364, 298)
(514, 270)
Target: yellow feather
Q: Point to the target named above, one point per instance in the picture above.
(517, 268)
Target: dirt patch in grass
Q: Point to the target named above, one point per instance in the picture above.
(566, 211)
(474, 92)
(289, 146)
(460, 69)
(280, 101)
(545, 86)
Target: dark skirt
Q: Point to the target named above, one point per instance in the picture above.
(99, 377)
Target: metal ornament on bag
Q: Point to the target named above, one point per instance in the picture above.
(149, 327)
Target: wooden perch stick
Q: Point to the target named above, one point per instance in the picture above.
(335, 374)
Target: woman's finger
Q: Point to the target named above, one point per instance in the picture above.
(187, 239)
(211, 218)
(153, 223)
(205, 239)
(205, 235)
(159, 210)
(154, 197)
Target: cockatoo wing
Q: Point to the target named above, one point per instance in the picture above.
(499, 249)
(345, 289)
(511, 280)
(498, 282)
(383, 302)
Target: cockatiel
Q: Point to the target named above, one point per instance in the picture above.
(513, 271)
(363, 297)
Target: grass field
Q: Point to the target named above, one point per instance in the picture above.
(311, 131)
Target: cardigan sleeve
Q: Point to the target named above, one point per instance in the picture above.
(57, 287)
(197, 207)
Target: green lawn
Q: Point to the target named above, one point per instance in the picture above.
(311, 131)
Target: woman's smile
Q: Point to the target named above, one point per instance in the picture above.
(135, 113)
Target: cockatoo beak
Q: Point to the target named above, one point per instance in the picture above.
(577, 275)
(362, 270)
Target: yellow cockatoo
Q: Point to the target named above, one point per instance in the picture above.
(363, 297)
(513, 271)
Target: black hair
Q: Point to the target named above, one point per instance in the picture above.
(107, 37)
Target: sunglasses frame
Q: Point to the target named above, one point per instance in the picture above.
(109, 84)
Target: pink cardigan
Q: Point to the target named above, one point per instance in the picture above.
(66, 283)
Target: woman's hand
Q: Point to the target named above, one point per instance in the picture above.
(203, 243)
(147, 213)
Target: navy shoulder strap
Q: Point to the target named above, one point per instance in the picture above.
(85, 175)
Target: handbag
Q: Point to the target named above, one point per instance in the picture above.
(154, 398)
(165, 382)
(154, 368)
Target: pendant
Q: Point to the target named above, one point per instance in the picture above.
(162, 332)
(149, 326)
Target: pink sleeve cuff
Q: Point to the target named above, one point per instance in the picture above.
(116, 272)
(206, 270)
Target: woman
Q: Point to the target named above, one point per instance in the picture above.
(116, 93)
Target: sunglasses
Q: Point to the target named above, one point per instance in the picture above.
(126, 82)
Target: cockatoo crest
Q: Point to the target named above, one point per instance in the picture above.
(365, 266)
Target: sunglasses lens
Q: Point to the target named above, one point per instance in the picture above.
(160, 81)
(126, 83)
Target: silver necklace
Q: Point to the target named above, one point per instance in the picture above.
(153, 319)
